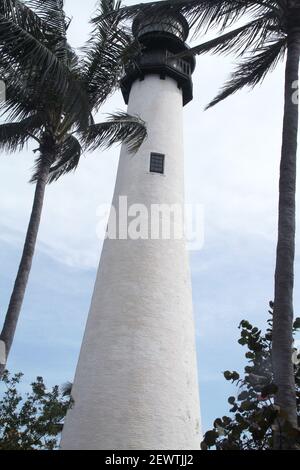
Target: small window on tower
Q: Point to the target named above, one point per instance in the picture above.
(157, 163)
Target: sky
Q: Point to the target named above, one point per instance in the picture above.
(232, 157)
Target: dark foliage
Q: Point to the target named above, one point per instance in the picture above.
(253, 416)
(33, 420)
(54, 90)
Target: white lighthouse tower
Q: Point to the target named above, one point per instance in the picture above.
(136, 381)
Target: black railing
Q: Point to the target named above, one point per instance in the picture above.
(177, 63)
(158, 59)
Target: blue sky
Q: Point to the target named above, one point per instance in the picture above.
(231, 161)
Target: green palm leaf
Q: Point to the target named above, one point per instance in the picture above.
(42, 58)
(252, 34)
(105, 51)
(24, 16)
(19, 45)
(67, 160)
(252, 70)
(200, 13)
(13, 136)
(119, 128)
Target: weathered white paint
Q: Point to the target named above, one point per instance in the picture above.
(2, 353)
(136, 381)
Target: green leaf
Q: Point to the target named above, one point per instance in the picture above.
(210, 438)
(234, 408)
(296, 324)
(119, 128)
(226, 420)
(235, 376)
(218, 422)
(231, 400)
(247, 405)
(243, 396)
(245, 324)
(242, 341)
(252, 70)
(239, 418)
(227, 375)
(249, 355)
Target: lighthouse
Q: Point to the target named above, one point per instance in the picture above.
(136, 383)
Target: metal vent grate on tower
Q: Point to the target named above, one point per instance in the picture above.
(157, 163)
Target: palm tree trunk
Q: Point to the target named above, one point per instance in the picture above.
(284, 272)
(18, 293)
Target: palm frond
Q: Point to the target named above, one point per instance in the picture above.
(106, 7)
(42, 58)
(27, 92)
(53, 14)
(207, 14)
(24, 97)
(14, 135)
(251, 35)
(67, 160)
(201, 14)
(119, 128)
(17, 107)
(253, 69)
(39, 29)
(30, 54)
(24, 16)
(50, 12)
(19, 103)
(103, 63)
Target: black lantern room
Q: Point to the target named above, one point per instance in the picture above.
(161, 38)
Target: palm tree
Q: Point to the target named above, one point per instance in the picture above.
(25, 40)
(54, 108)
(271, 32)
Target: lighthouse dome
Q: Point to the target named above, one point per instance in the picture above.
(162, 24)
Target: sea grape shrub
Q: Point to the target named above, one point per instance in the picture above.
(253, 415)
(33, 420)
